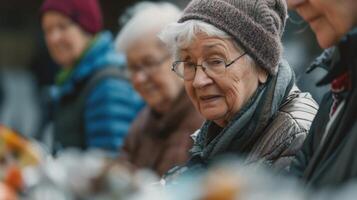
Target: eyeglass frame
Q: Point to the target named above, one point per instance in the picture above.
(176, 63)
(148, 70)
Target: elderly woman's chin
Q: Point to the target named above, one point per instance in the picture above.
(155, 103)
(158, 103)
(326, 34)
(213, 113)
(63, 57)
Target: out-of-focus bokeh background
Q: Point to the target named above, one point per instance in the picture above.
(26, 68)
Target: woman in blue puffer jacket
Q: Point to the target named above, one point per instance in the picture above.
(94, 104)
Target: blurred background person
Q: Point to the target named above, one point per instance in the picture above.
(328, 157)
(229, 55)
(93, 103)
(159, 138)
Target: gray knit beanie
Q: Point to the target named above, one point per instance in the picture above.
(256, 25)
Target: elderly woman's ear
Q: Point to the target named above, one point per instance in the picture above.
(262, 75)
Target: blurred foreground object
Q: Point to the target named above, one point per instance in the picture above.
(25, 171)
(85, 175)
(16, 153)
(18, 147)
(6, 193)
(91, 175)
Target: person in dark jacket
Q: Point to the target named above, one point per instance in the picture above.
(228, 53)
(94, 103)
(159, 138)
(328, 157)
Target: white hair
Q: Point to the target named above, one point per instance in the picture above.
(179, 36)
(144, 18)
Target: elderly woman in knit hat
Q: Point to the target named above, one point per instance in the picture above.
(159, 138)
(229, 55)
(94, 103)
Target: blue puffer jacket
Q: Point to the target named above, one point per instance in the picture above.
(111, 105)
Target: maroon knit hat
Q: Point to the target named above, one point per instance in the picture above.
(86, 13)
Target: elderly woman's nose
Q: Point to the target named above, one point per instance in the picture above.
(139, 77)
(53, 36)
(201, 79)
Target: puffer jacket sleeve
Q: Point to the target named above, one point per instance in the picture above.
(291, 147)
(290, 129)
(300, 161)
(110, 109)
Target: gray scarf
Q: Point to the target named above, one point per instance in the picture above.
(248, 124)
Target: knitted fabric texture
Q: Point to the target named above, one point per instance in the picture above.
(256, 25)
(86, 13)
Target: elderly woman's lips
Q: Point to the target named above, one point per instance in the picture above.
(209, 97)
(147, 87)
(312, 18)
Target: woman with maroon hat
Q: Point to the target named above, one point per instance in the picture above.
(94, 104)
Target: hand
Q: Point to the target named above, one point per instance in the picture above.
(292, 4)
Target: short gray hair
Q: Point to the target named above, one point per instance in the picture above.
(143, 18)
(180, 35)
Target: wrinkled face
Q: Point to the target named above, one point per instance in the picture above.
(149, 63)
(329, 19)
(65, 40)
(218, 97)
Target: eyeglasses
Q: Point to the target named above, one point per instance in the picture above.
(187, 70)
(148, 67)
